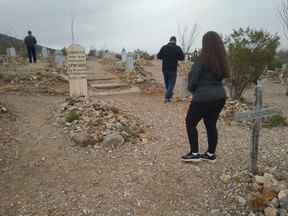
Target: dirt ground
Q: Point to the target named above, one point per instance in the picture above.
(41, 173)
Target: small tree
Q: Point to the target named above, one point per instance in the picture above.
(249, 52)
(187, 37)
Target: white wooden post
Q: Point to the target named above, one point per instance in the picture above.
(77, 70)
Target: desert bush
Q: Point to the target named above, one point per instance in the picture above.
(276, 121)
(72, 116)
(249, 52)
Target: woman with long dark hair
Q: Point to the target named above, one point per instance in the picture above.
(205, 82)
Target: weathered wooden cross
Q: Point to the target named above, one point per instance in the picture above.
(257, 116)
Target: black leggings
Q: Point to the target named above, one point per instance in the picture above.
(209, 111)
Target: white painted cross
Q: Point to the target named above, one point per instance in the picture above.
(77, 71)
(257, 116)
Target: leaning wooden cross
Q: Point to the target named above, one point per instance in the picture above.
(257, 116)
(77, 71)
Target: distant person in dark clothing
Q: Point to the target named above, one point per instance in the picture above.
(30, 42)
(205, 82)
(170, 54)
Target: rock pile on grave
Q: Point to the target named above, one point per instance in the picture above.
(17, 60)
(99, 123)
(232, 107)
(269, 195)
(38, 79)
(139, 76)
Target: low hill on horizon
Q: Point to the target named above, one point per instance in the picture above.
(7, 41)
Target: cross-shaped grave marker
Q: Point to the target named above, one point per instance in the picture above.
(257, 116)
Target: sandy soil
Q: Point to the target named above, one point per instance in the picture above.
(42, 174)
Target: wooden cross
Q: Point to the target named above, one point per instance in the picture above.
(257, 116)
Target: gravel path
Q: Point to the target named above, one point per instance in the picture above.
(42, 174)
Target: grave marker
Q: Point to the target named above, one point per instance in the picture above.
(11, 52)
(124, 56)
(77, 70)
(59, 58)
(257, 116)
(45, 53)
(130, 62)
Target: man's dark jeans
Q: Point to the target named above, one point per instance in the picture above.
(32, 54)
(170, 81)
(209, 112)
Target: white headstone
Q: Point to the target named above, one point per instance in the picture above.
(77, 70)
(45, 52)
(130, 62)
(124, 56)
(108, 55)
(59, 58)
(11, 52)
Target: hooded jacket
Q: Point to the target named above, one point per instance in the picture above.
(170, 54)
(204, 85)
(30, 41)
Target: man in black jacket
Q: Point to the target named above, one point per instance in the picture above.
(30, 42)
(170, 54)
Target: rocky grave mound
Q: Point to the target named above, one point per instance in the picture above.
(30, 79)
(232, 107)
(139, 77)
(94, 123)
(269, 196)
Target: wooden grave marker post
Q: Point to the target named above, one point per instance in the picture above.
(257, 116)
(77, 70)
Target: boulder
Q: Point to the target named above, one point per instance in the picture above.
(271, 211)
(113, 140)
(282, 212)
(225, 178)
(274, 203)
(283, 198)
(241, 201)
(83, 139)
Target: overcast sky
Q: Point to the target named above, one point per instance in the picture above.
(146, 24)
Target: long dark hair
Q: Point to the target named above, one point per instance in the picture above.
(213, 54)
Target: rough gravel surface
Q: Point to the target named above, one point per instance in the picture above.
(41, 173)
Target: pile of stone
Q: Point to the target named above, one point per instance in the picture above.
(185, 68)
(36, 80)
(17, 60)
(139, 76)
(232, 107)
(3, 109)
(99, 123)
(4, 60)
(269, 196)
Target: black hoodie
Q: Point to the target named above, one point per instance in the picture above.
(170, 54)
